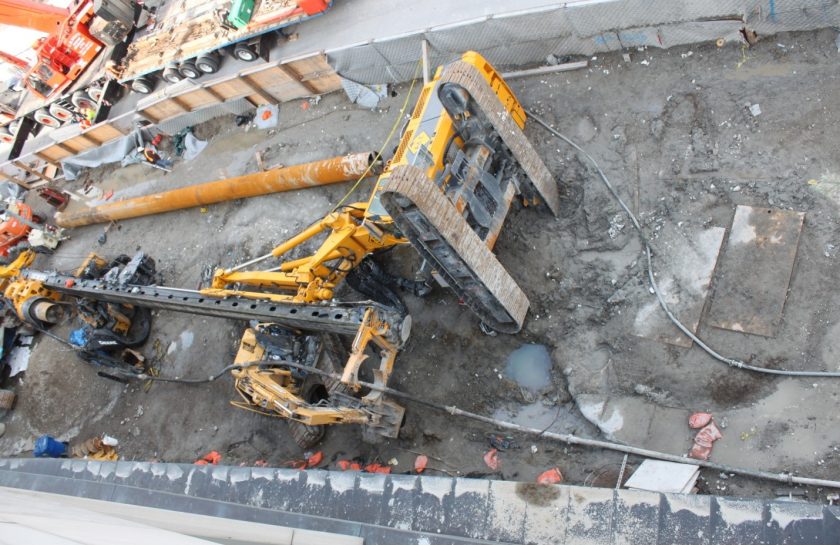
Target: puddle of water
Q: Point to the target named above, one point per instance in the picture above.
(530, 367)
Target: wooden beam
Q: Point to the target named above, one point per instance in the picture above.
(213, 93)
(259, 91)
(90, 140)
(18, 181)
(149, 117)
(293, 74)
(179, 102)
(25, 168)
(43, 157)
(66, 148)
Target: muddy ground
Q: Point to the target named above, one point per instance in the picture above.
(673, 131)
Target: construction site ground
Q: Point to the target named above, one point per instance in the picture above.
(674, 132)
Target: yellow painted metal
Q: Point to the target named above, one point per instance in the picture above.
(327, 171)
(313, 278)
(275, 390)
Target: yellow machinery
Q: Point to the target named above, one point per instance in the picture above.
(461, 163)
(32, 301)
(447, 191)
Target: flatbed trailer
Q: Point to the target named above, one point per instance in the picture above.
(182, 39)
(191, 37)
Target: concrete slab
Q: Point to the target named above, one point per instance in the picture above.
(752, 282)
(684, 278)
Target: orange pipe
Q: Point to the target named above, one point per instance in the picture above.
(327, 171)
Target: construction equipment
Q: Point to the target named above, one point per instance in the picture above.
(454, 177)
(446, 191)
(22, 230)
(65, 52)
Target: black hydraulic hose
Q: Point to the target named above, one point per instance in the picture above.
(739, 364)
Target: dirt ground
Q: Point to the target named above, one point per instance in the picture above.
(673, 131)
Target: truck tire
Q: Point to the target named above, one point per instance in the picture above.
(244, 52)
(208, 64)
(5, 136)
(82, 101)
(43, 117)
(171, 74)
(7, 399)
(60, 112)
(95, 93)
(189, 70)
(143, 85)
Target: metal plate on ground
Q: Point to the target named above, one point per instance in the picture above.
(683, 274)
(752, 282)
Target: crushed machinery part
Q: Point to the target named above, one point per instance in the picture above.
(329, 317)
(467, 76)
(439, 234)
(327, 171)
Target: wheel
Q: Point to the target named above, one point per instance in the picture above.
(7, 399)
(60, 112)
(82, 101)
(43, 117)
(95, 93)
(244, 52)
(143, 85)
(172, 75)
(37, 219)
(209, 64)
(5, 136)
(189, 70)
(306, 436)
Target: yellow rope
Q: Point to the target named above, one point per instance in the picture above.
(387, 140)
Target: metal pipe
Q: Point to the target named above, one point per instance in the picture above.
(327, 171)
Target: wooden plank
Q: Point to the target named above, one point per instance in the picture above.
(259, 91)
(104, 132)
(46, 158)
(180, 104)
(14, 179)
(55, 153)
(70, 151)
(32, 171)
(213, 93)
(752, 281)
(684, 280)
(293, 74)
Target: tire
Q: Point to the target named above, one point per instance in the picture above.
(82, 101)
(5, 136)
(305, 436)
(172, 75)
(189, 70)
(7, 399)
(143, 85)
(43, 117)
(245, 53)
(208, 64)
(60, 112)
(95, 93)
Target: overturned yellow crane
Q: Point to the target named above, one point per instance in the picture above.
(461, 162)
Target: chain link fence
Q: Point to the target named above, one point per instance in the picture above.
(581, 28)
